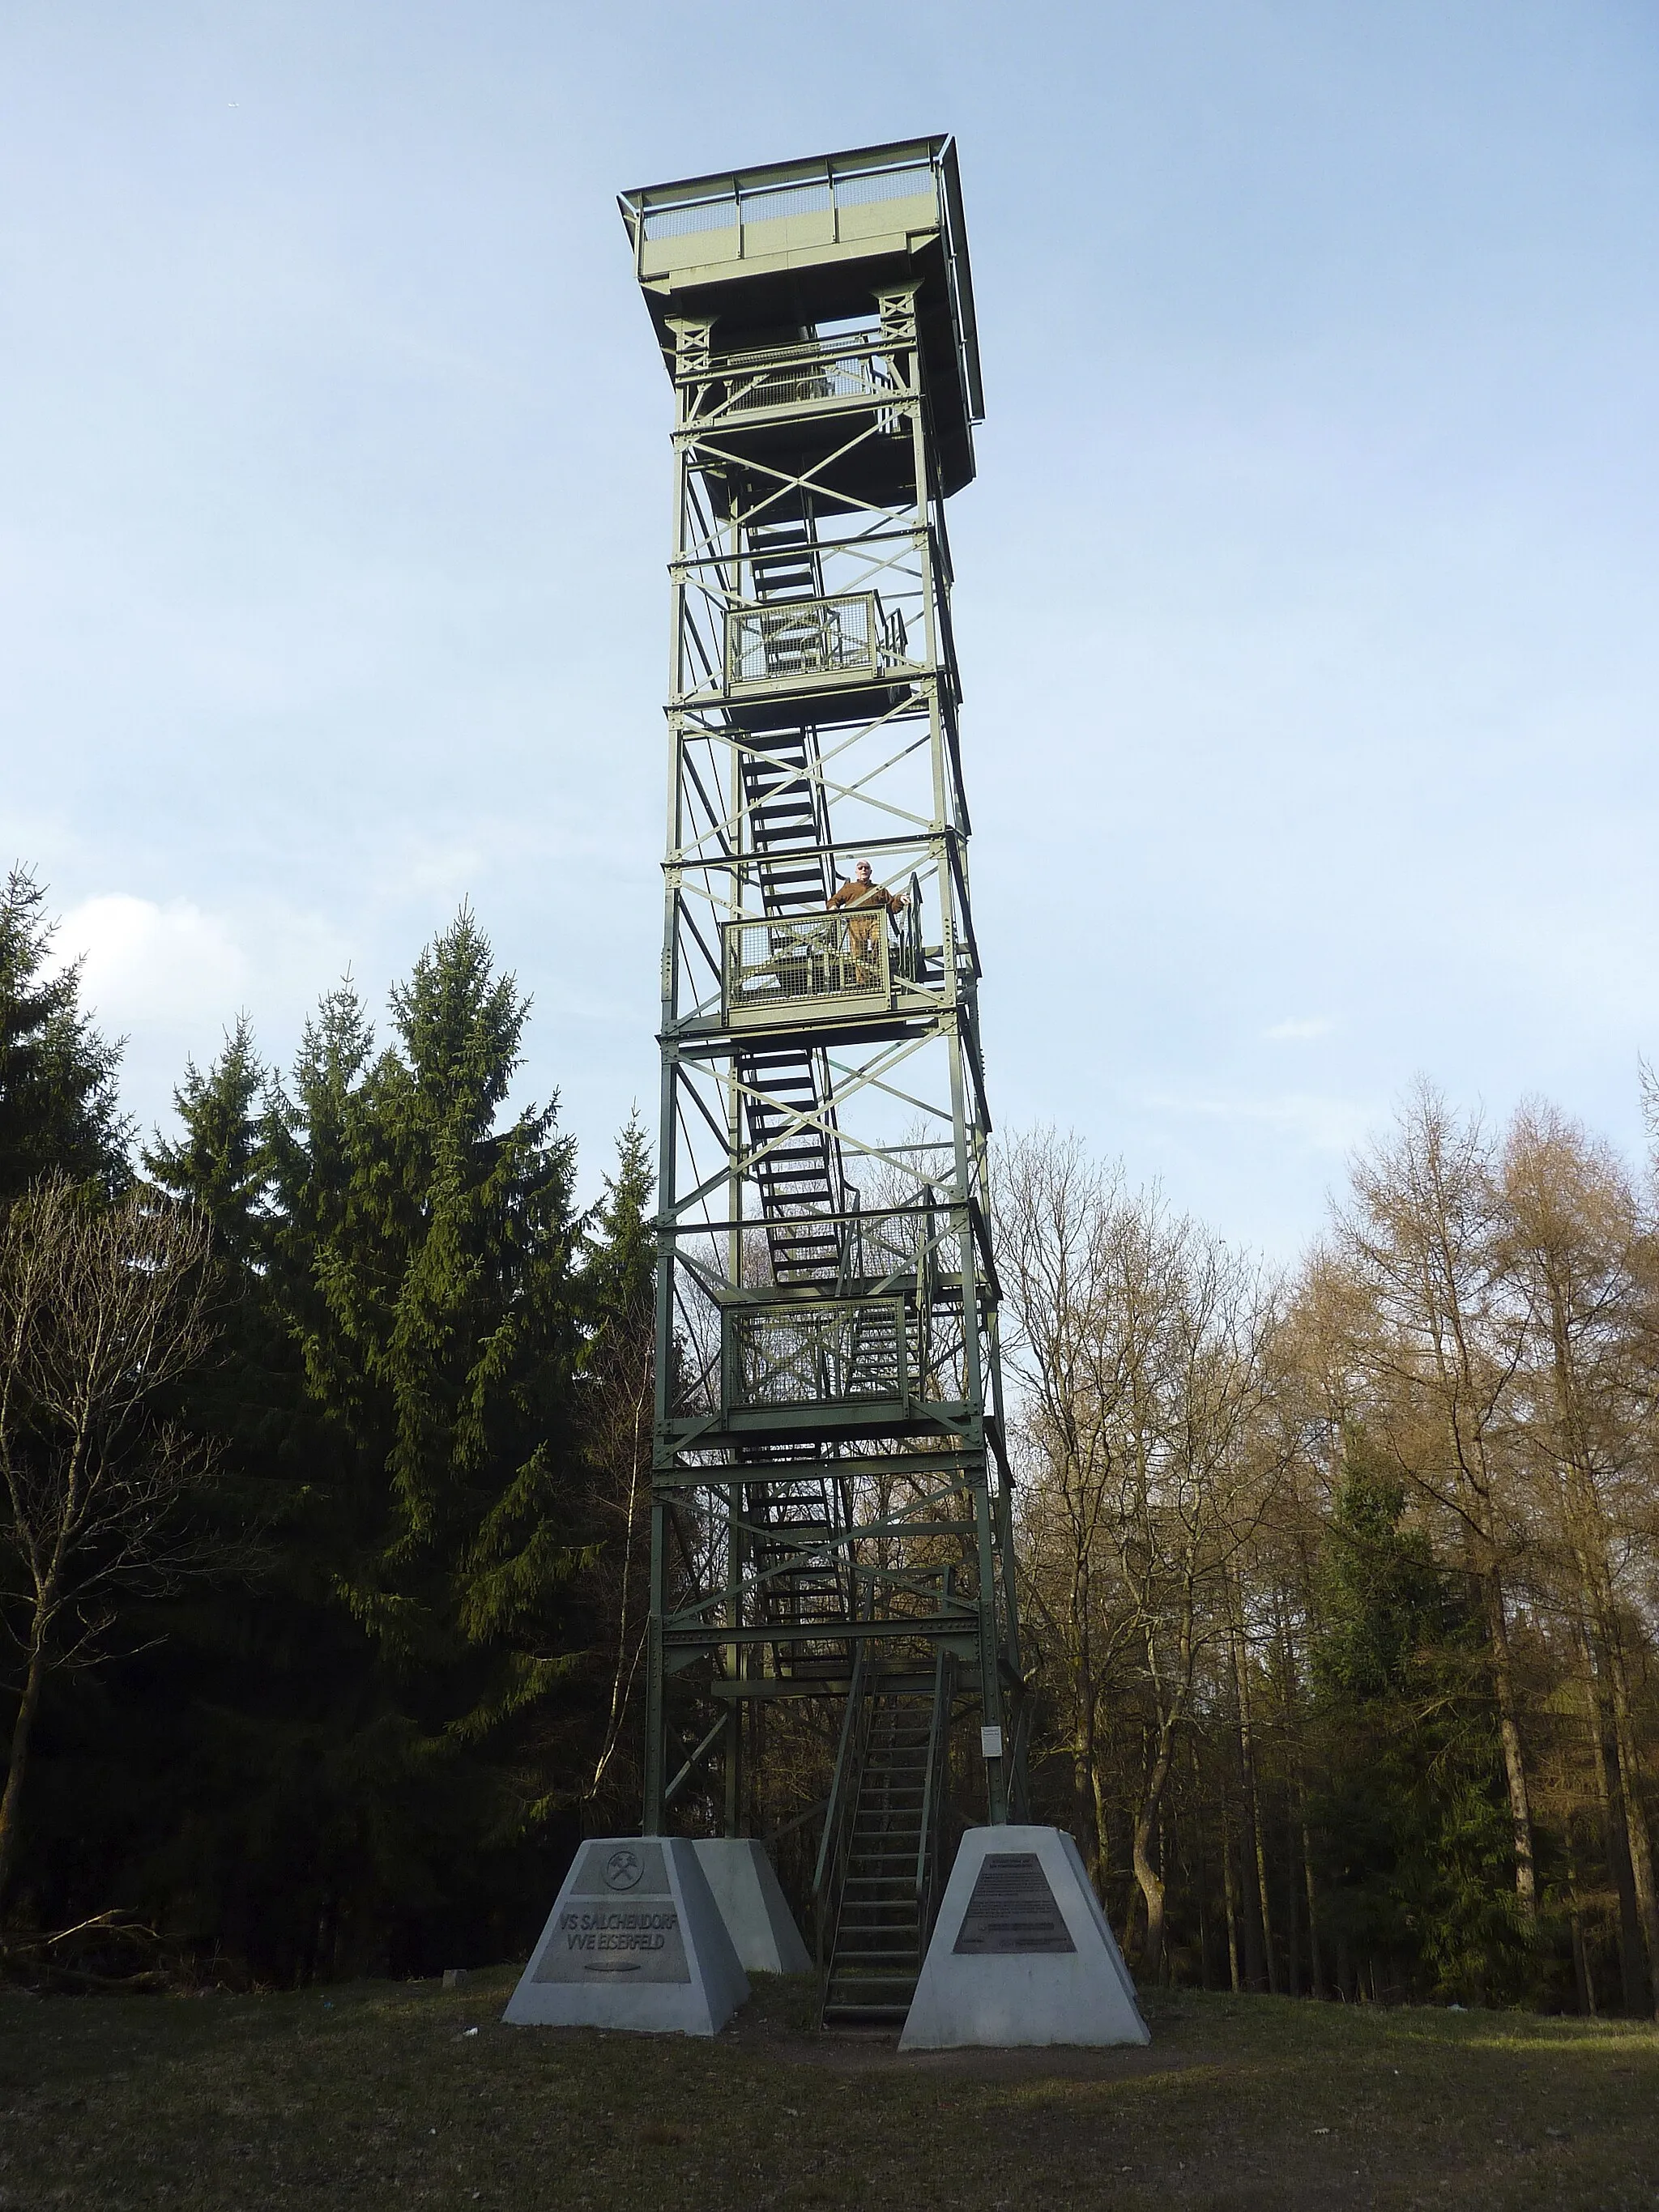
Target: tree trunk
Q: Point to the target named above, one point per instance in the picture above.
(1100, 1821)
(1293, 1797)
(1636, 1817)
(1200, 1869)
(1146, 1875)
(1263, 1974)
(1615, 1839)
(1581, 1972)
(1229, 1898)
(1090, 1785)
(11, 1797)
(1256, 1821)
(1292, 1926)
(1515, 1770)
(1316, 1967)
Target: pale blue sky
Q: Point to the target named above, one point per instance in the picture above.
(1306, 596)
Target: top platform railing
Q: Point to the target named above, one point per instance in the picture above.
(857, 367)
(667, 211)
(784, 250)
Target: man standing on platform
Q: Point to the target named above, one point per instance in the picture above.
(867, 901)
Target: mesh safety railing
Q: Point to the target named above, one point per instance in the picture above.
(796, 376)
(838, 1352)
(805, 637)
(773, 968)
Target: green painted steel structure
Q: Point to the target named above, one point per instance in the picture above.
(831, 1513)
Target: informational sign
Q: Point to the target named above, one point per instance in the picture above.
(1013, 1909)
(618, 1921)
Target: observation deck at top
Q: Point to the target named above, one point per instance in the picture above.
(776, 256)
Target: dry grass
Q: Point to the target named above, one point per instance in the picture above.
(382, 2096)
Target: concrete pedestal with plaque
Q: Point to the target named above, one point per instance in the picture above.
(1021, 1952)
(636, 1941)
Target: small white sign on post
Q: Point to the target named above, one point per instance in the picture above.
(990, 1743)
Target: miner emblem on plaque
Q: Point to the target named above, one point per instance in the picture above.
(623, 1869)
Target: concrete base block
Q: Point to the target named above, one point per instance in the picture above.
(636, 1941)
(746, 1888)
(1021, 1952)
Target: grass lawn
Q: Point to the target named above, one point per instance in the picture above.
(381, 2095)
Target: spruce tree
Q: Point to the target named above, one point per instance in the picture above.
(423, 1264)
(1413, 1810)
(426, 1257)
(615, 1390)
(58, 1107)
(222, 1160)
(619, 1274)
(384, 1723)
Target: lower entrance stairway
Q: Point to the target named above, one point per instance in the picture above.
(882, 1913)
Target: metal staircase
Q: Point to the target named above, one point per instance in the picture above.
(798, 1177)
(877, 1366)
(799, 1180)
(883, 1865)
(800, 1572)
(876, 1957)
(797, 1168)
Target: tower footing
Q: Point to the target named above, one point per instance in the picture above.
(634, 1941)
(1021, 1952)
(752, 1902)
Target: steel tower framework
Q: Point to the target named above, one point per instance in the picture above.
(831, 1493)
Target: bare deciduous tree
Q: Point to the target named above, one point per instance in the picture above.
(101, 1310)
(1145, 1354)
(1425, 1241)
(1579, 1259)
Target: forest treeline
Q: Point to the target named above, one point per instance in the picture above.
(1342, 1584)
(311, 1569)
(323, 1615)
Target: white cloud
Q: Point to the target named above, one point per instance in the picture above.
(173, 966)
(1297, 1032)
(172, 977)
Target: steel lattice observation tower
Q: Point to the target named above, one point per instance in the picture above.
(831, 1493)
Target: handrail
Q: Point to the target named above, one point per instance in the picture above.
(924, 1852)
(851, 1265)
(1019, 1795)
(844, 1792)
(929, 1846)
(913, 932)
(869, 376)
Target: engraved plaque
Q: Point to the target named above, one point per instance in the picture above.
(1013, 1909)
(618, 1921)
